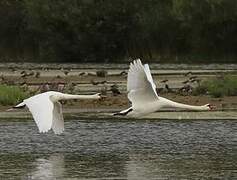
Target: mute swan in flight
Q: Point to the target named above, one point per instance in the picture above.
(47, 110)
(142, 93)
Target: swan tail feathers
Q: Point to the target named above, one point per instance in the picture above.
(19, 106)
(123, 113)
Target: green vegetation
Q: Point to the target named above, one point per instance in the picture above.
(11, 95)
(218, 87)
(112, 30)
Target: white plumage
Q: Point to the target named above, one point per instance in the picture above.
(47, 110)
(142, 93)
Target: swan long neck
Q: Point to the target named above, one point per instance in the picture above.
(71, 96)
(172, 104)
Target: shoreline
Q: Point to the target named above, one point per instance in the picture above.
(83, 79)
(102, 109)
(106, 114)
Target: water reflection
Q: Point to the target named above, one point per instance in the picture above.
(48, 168)
(137, 166)
(120, 150)
(179, 167)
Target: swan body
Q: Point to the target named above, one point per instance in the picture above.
(142, 93)
(46, 109)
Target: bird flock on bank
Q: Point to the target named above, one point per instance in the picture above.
(46, 107)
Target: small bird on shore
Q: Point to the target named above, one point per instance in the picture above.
(37, 74)
(82, 74)
(188, 73)
(31, 73)
(2, 78)
(142, 93)
(164, 81)
(97, 82)
(185, 82)
(186, 89)
(104, 90)
(24, 75)
(123, 73)
(46, 109)
(66, 72)
(23, 72)
(168, 89)
(114, 89)
(12, 69)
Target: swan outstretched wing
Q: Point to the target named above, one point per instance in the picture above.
(41, 108)
(58, 122)
(149, 78)
(140, 84)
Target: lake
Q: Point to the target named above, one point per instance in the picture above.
(120, 149)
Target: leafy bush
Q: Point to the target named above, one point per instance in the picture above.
(11, 95)
(218, 86)
(200, 90)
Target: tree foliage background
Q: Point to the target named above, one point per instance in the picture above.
(115, 30)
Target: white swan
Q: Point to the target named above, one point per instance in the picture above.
(47, 110)
(142, 93)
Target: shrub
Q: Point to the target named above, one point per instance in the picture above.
(11, 95)
(200, 90)
(218, 86)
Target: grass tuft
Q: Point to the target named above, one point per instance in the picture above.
(11, 95)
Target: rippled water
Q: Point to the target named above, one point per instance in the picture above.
(120, 150)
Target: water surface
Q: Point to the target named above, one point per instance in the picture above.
(120, 150)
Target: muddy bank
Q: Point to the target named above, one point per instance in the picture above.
(225, 108)
(121, 101)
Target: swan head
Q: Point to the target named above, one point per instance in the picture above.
(209, 107)
(99, 96)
